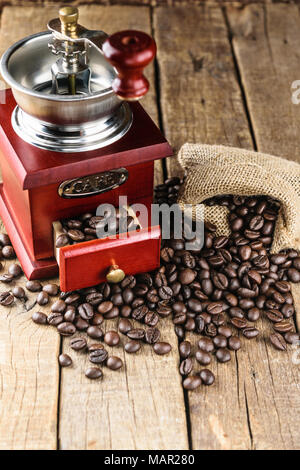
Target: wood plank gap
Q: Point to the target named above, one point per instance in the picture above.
(239, 79)
(157, 88)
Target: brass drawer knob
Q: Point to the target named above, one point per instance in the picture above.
(115, 274)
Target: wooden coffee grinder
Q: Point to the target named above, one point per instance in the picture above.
(73, 136)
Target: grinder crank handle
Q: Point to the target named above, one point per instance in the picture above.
(130, 52)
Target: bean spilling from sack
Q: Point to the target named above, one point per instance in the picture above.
(217, 293)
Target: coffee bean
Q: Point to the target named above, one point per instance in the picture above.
(161, 348)
(70, 314)
(64, 360)
(291, 337)
(86, 311)
(207, 377)
(15, 270)
(78, 344)
(253, 314)
(97, 319)
(283, 327)
(239, 323)
(165, 292)
(151, 319)
(152, 335)
(223, 355)
(125, 326)
(114, 363)
(55, 318)
(59, 306)
(206, 344)
(278, 342)
(203, 357)
(105, 307)
(66, 329)
(6, 298)
(51, 289)
(6, 278)
(185, 349)
(186, 366)
(19, 292)
(192, 382)
(140, 312)
(93, 373)
(42, 298)
(94, 332)
(8, 252)
(95, 347)
(39, 318)
(220, 341)
(274, 315)
(136, 333)
(62, 240)
(234, 343)
(132, 346)
(34, 286)
(250, 332)
(187, 276)
(293, 275)
(98, 356)
(81, 324)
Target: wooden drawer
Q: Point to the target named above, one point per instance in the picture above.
(86, 264)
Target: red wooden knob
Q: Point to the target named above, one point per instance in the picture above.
(130, 52)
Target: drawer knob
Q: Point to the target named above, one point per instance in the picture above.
(115, 274)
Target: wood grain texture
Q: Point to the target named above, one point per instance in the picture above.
(247, 408)
(29, 370)
(141, 407)
(200, 96)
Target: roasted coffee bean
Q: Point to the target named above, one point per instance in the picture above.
(139, 313)
(86, 311)
(70, 314)
(192, 382)
(274, 315)
(136, 333)
(278, 259)
(206, 344)
(55, 318)
(292, 338)
(132, 346)
(39, 318)
(8, 252)
(278, 342)
(33, 286)
(95, 347)
(62, 240)
(66, 329)
(152, 335)
(210, 330)
(42, 298)
(293, 275)
(234, 343)
(111, 338)
(250, 332)
(94, 332)
(15, 270)
(98, 356)
(64, 360)
(93, 373)
(125, 326)
(283, 327)
(186, 366)
(114, 363)
(78, 344)
(59, 306)
(165, 292)
(97, 319)
(4, 239)
(203, 357)
(187, 276)
(207, 377)
(236, 312)
(185, 349)
(81, 324)
(105, 307)
(6, 298)
(225, 331)
(161, 348)
(167, 254)
(51, 289)
(220, 341)
(223, 355)
(6, 278)
(253, 314)
(239, 323)
(19, 292)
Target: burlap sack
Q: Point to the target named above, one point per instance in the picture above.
(213, 170)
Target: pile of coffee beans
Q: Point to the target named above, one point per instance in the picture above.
(218, 292)
(83, 228)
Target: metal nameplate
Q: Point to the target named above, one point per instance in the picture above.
(93, 184)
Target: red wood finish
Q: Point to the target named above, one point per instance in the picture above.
(130, 52)
(36, 167)
(86, 264)
(32, 268)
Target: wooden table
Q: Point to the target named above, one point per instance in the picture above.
(222, 75)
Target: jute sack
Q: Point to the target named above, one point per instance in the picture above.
(213, 170)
